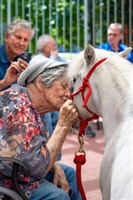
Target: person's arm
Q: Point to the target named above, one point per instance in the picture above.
(55, 56)
(11, 75)
(59, 178)
(3, 84)
(43, 154)
(67, 117)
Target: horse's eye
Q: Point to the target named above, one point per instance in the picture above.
(74, 79)
(72, 86)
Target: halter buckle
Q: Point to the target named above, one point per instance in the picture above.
(81, 143)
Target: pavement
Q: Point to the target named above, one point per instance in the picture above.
(94, 148)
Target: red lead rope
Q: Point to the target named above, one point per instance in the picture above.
(80, 158)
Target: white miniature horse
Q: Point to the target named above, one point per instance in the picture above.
(111, 98)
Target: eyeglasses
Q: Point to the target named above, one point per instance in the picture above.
(113, 34)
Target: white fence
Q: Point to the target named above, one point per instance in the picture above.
(73, 23)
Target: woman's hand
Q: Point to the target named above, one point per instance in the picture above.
(68, 114)
(67, 117)
(60, 178)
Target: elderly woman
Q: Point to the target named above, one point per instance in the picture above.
(42, 87)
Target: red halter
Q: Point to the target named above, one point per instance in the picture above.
(80, 154)
(82, 88)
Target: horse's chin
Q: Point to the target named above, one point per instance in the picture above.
(82, 117)
(83, 113)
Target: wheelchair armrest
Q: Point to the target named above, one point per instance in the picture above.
(10, 193)
(16, 164)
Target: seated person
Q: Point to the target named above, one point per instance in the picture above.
(24, 135)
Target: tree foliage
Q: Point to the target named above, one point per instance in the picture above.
(64, 19)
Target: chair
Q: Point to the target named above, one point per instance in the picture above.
(9, 193)
(17, 194)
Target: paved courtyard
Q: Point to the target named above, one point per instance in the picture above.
(94, 148)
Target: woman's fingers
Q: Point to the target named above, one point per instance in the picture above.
(68, 113)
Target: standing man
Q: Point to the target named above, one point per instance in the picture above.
(17, 38)
(114, 36)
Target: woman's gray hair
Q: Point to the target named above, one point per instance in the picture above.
(50, 75)
(19, 23)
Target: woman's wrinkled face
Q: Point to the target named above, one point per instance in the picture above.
(58, 93)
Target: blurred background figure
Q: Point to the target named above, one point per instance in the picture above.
(17, 38)
(47, 46)
(114, 37)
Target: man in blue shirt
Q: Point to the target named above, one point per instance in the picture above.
(17, 37)
(114, 36)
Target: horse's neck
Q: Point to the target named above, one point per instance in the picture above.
(113, 97)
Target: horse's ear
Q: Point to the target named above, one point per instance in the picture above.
(89, 54)
(125, 53)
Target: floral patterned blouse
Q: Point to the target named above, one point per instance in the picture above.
(23, 135)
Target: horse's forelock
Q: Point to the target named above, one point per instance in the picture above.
(76, 65)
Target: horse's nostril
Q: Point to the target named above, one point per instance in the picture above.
(72, 89)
